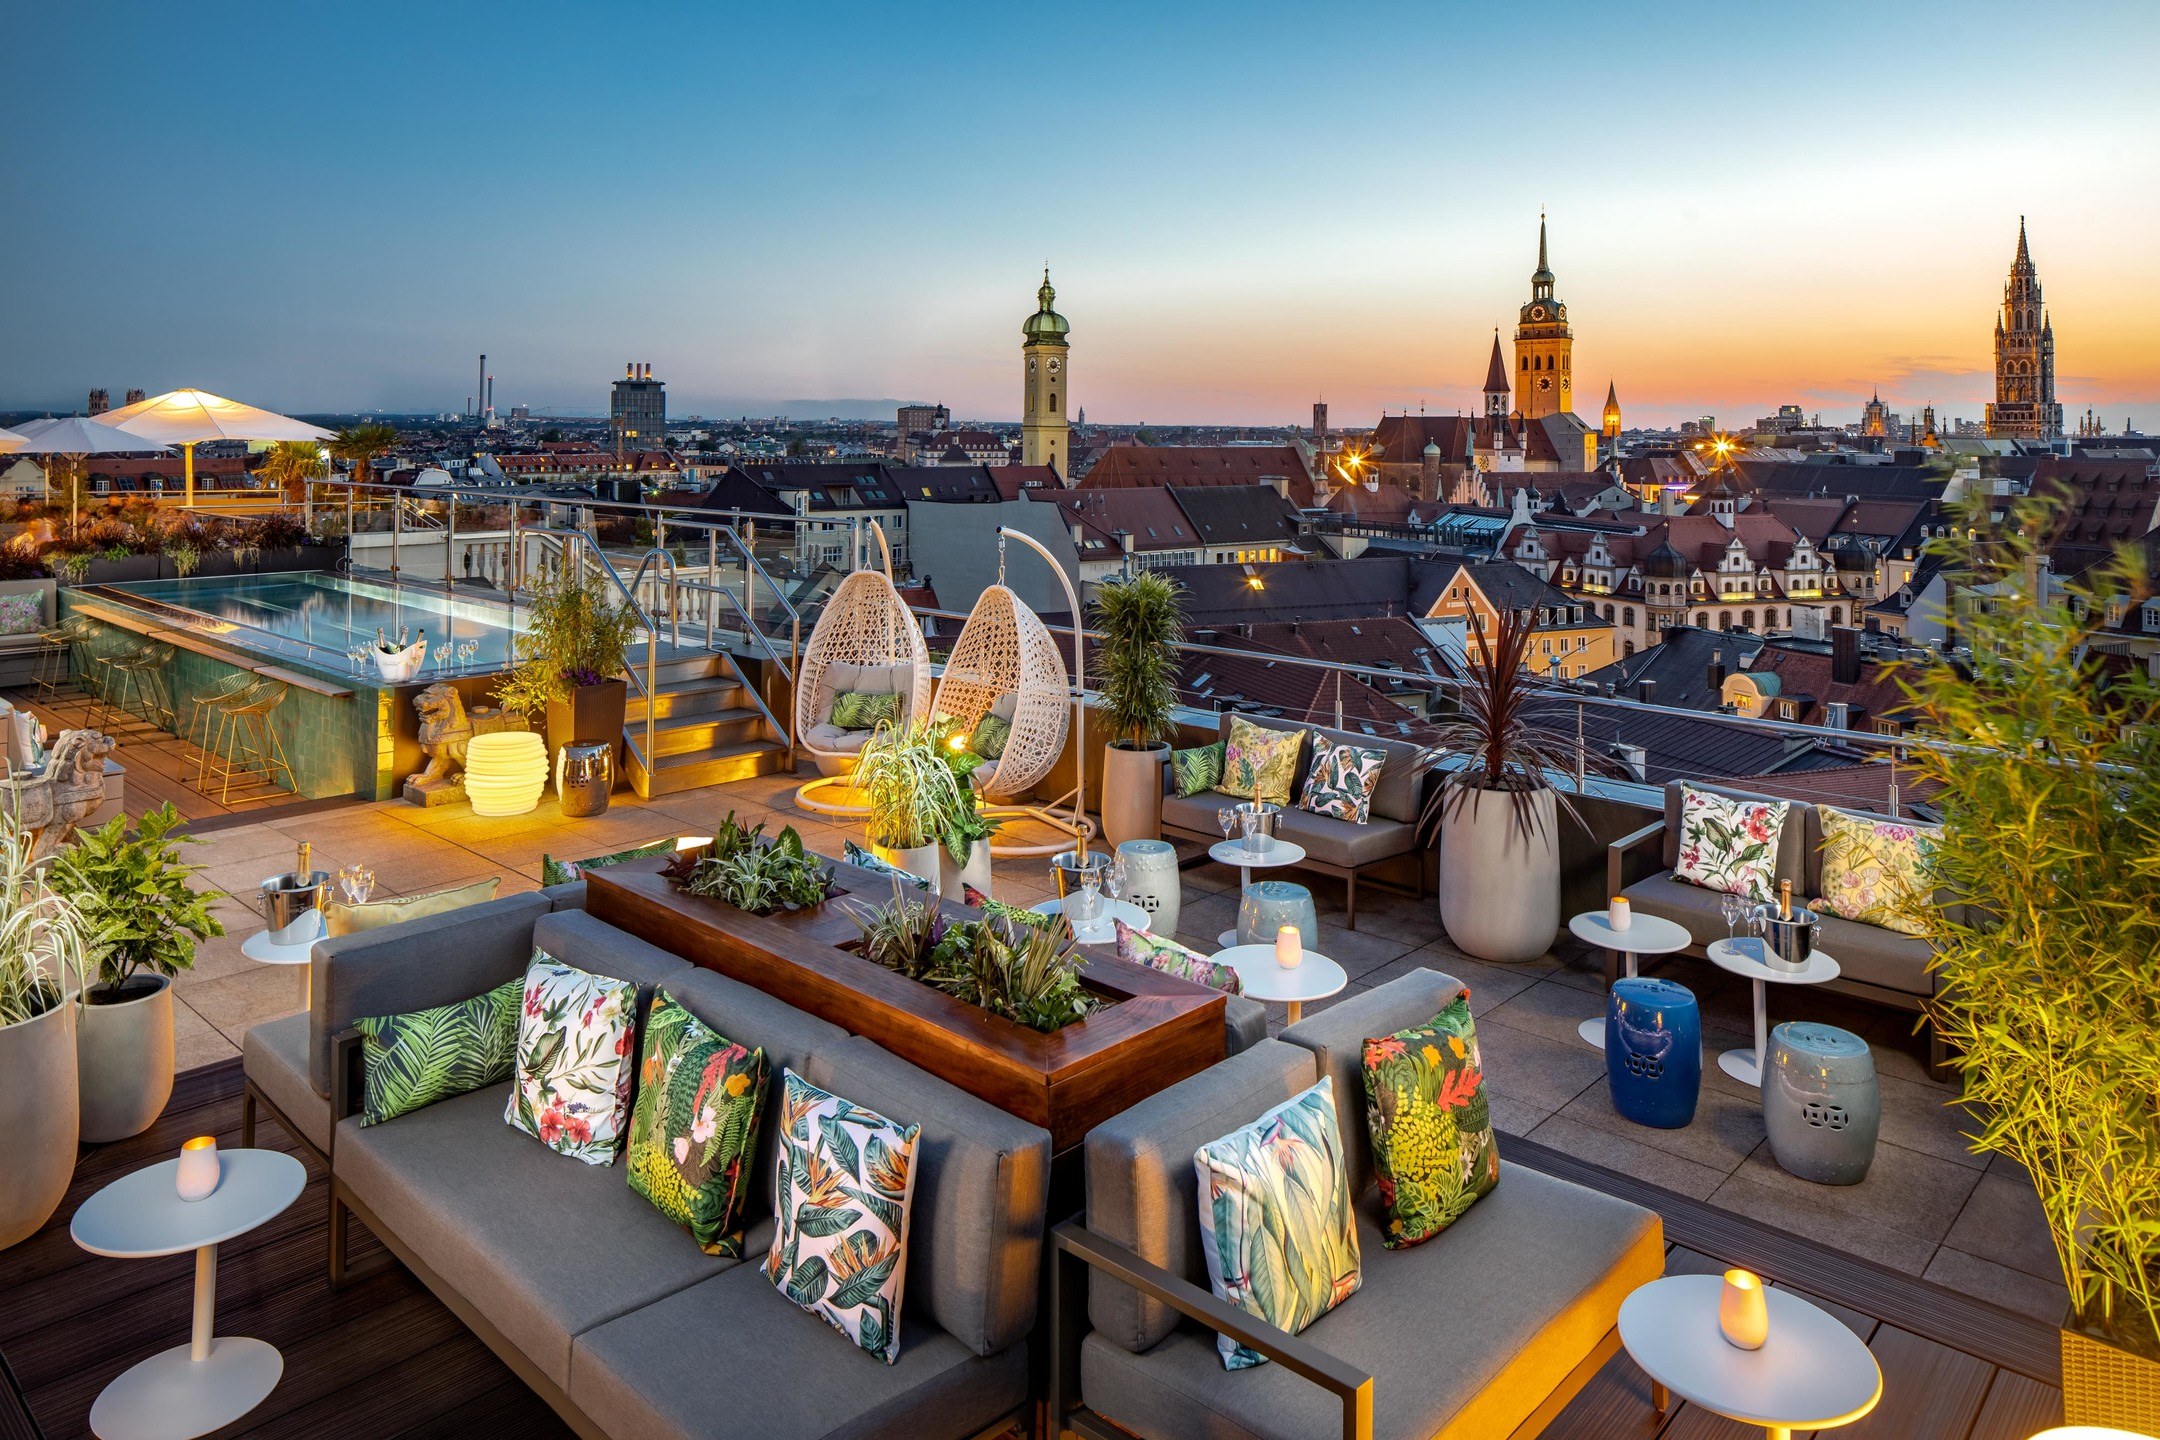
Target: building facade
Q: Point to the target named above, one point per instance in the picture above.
(637, 411)
(1045, 434)
(1544, 347)
(2025, 406)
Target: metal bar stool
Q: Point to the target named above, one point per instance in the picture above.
(105, 679)
(59, 642)
(140, 684)
(202, 703)
(221, 747)
(256, 734)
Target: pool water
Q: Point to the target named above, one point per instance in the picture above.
(320, 617)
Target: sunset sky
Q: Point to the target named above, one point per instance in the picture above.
(1245, 207)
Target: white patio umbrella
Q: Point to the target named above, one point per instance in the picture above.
(188, 417)
(10, 442)
(71, 437)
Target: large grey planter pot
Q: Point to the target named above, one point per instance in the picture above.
(1132, 792)
(124, 1052)
(1499, 891)
(976, 872)
(40, 1116)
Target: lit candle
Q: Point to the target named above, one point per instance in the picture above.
(198, 1172)
(1743, 1315)
(1289, 947)
(1617, 913)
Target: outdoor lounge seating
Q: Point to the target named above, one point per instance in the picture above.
(865, 640)
(1486, 1330)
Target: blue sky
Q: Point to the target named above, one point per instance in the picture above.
(1245, 207)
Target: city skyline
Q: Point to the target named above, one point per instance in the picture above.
(1230, 242)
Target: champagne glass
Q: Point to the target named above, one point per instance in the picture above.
(1113, 876)
(1249, 822)
(466, 650)
(1734, 909)
(358, 882)
(1227, 818)
(1090, 883)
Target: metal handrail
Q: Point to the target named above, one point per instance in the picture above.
(650, 686)
(638, 577)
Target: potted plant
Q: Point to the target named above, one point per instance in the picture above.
(1497, 814)
(43, 952)
(570, 660)
(1136, 667)
(965, 860)
(737, 867)
(914, 799)
(2045, 984)
(132, 891)
(1011, 962)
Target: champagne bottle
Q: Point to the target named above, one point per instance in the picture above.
(1784, 899)
(306, 867)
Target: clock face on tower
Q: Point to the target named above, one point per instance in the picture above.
(1053, 369)
(1537, 312)
(1544, 382)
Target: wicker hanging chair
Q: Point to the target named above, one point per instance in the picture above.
(865, 638)
(1006, 660)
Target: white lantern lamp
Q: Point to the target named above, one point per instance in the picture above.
(505, 771)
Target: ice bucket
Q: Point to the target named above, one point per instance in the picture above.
(1788, 941)
(289, 906)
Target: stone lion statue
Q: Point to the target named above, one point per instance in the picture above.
(446, 728)
(50, 803)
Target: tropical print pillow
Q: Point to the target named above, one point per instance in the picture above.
(877, 864)
(1258, 763)
(841, 1197)
(574, 1060)
(862, 710)
(562, 872)
(1198, 770)
(424, 1056)
(1160, 952)
(693, 1132)
(1275, 1218)
(1876, 871)
(1341, 782)
(989, 737)
(1432, 1131)
(1729, 844)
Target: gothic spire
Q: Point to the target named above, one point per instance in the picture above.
(2023, 256)
(1544, 270)
(1496, 376)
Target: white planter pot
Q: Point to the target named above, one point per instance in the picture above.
(976, 872)
(1499, 889)
(1132, 793)
(921, 860)
(124, 1054)
(39, 1120)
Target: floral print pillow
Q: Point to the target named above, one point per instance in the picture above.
(1198, 770)
(1431, 1127)
(841, 1197)
(1160, 952)
(576, 1036)
(22, 614)
(1730, 844)
(1876, 871)
(1341, 782)
(693, 1132)
(1258, 763)
(1275, 1218)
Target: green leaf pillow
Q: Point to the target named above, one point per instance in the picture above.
(416, 1059)
(862, 710)
(991, 733)
(1199, 770)
(1431, 1126)
(1341, 782)
(693, 1131)
(562, 872)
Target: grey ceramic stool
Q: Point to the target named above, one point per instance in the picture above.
(1268, 905)
(1151, 882)
(1821, 1105)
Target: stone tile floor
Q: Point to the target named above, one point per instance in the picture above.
(1928, 1207)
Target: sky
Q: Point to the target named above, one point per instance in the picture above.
(1245, 208)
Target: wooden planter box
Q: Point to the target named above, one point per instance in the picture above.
(1153, 1030)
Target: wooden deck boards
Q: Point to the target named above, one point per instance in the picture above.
(161, 766)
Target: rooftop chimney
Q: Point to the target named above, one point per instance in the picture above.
(1646, 691)
(1844, 655)
(1717, 672)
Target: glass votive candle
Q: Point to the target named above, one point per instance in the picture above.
(1289, 947)
(199, 1170)
(1618, 913)
(1743, 1314)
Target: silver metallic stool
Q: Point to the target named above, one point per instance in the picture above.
(585, 777)
(1151, 882)
(1269, 905)
(1821, 1105)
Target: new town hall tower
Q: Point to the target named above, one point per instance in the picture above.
(2024, 407)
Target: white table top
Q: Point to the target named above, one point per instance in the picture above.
(1645, 935)
(1820, 967)
(1811, 1373)
(141, 1214)
(1272, 852)
(1314, 978)
(258, 947)
(1100, 930)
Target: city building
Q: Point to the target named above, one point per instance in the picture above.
(1044, 432)
(1282, 467)
(1570, 639)
(2025, 407)
(135, 395)
(637, 410)
(1544, 346)
(100, 401)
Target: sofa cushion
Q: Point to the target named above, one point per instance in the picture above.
(1196, 814)
(1166, 956)
(1259, 763)
(1874, 870)
(414, 966)
(981, 1182)
(1336, 1037)
(1528, 1283)
(1731, 845)
(1340, 781)
(1395, 795)
(342, 917)
(576, 1060)
(1142, 1192)
(577, 939)
(564, 872)
(701, 1101)
(731, 1359)
(1792, 851)
(1343, 844)
(1198, 770)
(1875, 956)
(423, 1056)
(1430, 1121)
(832, 738)
(570, 896)
(545, 1248)
(864, 709)
(274, 1055)
(1244, 1024)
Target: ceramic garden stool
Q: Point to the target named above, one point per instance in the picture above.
(1151, 882)
(1268, 905)
(1653, 1051)
(1820, 1102)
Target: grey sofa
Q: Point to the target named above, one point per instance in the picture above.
(604, 1307)
(19, 653)
(1332, 847)
(1487, 1330)
(1878, 965)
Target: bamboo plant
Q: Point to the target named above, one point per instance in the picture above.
(1136, 661)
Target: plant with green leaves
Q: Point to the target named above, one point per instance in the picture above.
(575, 635)
(358, 445)
(2044, 970)
(967, 824)
(914, 796)
(1136, 661)
(293, 466)
(741, 869)
(184, 556)
(132, 890)
(46, 943)
(70, 567)
(1011, 962)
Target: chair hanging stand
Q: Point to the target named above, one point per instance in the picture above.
(864, 625)
(1004, 641)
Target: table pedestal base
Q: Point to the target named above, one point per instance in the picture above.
(171, 1396)
(1592, 1030)
(1742, 1066)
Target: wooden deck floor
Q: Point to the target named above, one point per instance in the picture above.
(384, 1358)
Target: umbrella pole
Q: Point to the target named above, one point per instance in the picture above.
(187, 451)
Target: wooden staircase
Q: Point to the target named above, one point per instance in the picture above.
(709, 726)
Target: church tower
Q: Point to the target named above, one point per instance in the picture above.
(2024, 407)
(1612, 411)
(1544, 347)
(1045, 437)
(1496, 382)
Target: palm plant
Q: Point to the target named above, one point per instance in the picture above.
(1136, 661)
(293, 465)
(358, 445)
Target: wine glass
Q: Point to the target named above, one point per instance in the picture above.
(466, 650)
(1734, 908)
(1227, 818)
(357, 881)
(1091, 880)
(1113, 876)
(1249, 822)
(443, 652)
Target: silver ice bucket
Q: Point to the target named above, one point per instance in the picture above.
(289, 906)
(1788, 943)
(1262, 815)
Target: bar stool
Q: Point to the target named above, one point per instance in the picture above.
(204, 701)
(105, 670)
(59, 644)
(140, 678)
(246, 724)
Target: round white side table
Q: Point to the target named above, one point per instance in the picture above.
(1746, 1065)
(258, 947)
(1099, 930)
(1266, 854)
(1645, 935)
(212, 1380)
(1314, 978)
(1811, 1374)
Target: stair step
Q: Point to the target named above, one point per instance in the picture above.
(697, 697)
(679, 734)
(715, 766)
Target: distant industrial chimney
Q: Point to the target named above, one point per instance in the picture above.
(489, 406)
(482, 391)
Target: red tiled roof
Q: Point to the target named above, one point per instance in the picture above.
(1142, 466)
(1857, 787)
(1387, 503)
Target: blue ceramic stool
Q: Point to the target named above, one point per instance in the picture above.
(1268, 905)
(1653, 1051)
(1820, 1102)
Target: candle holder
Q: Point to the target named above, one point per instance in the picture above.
(199, 1171)
(1618, 913)
(1289, 947)
(1743, 1314)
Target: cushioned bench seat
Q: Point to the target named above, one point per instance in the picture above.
(274, 1057)
(1329, 841)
